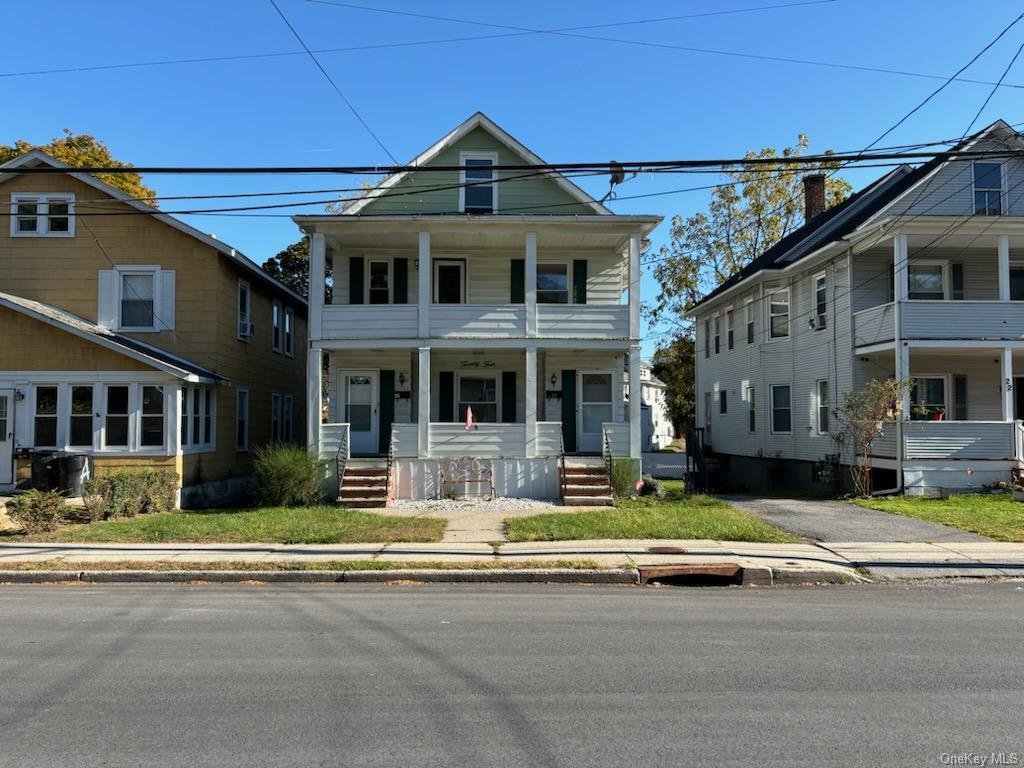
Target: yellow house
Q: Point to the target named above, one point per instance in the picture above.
(131, 337)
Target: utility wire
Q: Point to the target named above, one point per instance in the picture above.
(995, 87)
(334, 85)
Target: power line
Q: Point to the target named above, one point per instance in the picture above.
(995, 87)
(334, 85)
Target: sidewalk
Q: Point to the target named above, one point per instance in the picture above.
(792, 563)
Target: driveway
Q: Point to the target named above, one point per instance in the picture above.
(824, 520)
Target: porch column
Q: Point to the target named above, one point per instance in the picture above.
(1004, 267)
(899, 266)
(634, 400)
(423, 404)
(425, 275)
(1007, 383)
(635, 242)
(175, 398)
(531, 402)
(317, 280)
(314, 398)
(903, 374)
(530, 289)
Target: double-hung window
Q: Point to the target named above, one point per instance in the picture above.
(45, 423)
(822, 407)
(151, 433)
(552, 284)
(138, 292)
(778, 314)
(198, 421)
(378, 282)
(928, 398)
(820, 302)
(276, 321)
(718, 334)
(289, 331)
(242, 419)
(707, 339)
(782, 410)
(481, 394)
(751, 411)
(80, 419)
(927, 280)
(477, 191)
(245, 325)
(748, 311)
(116, 420)
(729, 327)
(723, 402)
(988, 189)
(50, 215)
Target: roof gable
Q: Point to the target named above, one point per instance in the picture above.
(437, 192)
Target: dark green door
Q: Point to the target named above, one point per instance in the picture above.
(569, 409)
(387, 410)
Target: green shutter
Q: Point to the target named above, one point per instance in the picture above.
(579, 281)
(956, 279)
(960, 398)
(517, 281)
(387, 410)
(569, 410)
(355, 279)
(400, 267)
(446, 396)
(508, 397)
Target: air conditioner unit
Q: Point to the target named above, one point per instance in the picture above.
(246, 330)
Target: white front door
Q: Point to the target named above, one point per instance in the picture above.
(595, 408)
(359, 394)
(6, 436)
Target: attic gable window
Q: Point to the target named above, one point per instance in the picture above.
(49, 215)
(988, 189)
(477, 191)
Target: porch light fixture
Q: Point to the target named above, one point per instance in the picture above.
(401, 378)
(554, 379)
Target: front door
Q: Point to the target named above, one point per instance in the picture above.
(1018, 397)
(595, 408)
(6, 436)
(359, 394)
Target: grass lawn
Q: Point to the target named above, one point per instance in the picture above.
(997, 516)
(283, 525)
(677, 516)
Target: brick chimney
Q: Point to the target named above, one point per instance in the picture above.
(814, 195)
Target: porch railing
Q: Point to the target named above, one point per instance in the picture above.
(484, 441)
(974, 440)
(334, 447)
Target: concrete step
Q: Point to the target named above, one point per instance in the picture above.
(362, 481)
(588, 490)
(367, 491)
(586, 479)
(366, 471)
(588, 501)
(363, 503)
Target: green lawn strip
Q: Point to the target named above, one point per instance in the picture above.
(282, 525)
(335, 565)
(677, 516)
(997, 516)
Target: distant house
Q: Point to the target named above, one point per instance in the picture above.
(131, 337)
(474, 290)
(656, 421)
(920, 277)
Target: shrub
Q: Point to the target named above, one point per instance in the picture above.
(649, 486)
(625, 473)
(38, 511)
(287, 476)
(127, 494)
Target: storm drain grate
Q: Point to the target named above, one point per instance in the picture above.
(718, 575)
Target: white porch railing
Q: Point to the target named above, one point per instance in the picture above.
(583, 321)
(404, 440)
(959, 439)
(617, 433)
(490, 441)
(962, 319)
(370, 321)
(874, 325)
(549, 438)
(477, 320)
(333, 437)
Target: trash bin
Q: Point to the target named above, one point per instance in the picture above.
(45, 471)
(73, 470)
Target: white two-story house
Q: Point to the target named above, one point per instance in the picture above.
(508, 293)
(920, 277)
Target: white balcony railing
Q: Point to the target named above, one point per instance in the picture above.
(972, 440)
(874, 326)
(583, 321)
(486, 441)
(487, 321)
(940, 320)
(370, 321)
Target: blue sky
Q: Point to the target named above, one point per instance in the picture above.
(568, 99)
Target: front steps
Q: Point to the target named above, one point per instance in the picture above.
(586, 483)
(364, 486)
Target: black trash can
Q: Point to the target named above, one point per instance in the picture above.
(73, 470)
(45, 471)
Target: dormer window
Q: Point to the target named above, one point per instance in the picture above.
(49, 215)
(477, 193)
(988, 189)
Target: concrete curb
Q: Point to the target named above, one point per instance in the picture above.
(749, 576)
(492, 576)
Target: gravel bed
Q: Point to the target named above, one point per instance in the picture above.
(456, 505)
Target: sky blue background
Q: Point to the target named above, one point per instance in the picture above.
(568, 99)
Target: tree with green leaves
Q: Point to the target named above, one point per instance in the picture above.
(80, 151)
(291, 266)
(759, 206)
(674, 364)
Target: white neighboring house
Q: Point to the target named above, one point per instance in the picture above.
(657, 429)
(918, 276)
(515, 297)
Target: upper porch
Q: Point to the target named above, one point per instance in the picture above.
(485, 277)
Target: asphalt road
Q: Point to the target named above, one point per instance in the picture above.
(346, 675)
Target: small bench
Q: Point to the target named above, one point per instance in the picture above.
(466, 471)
